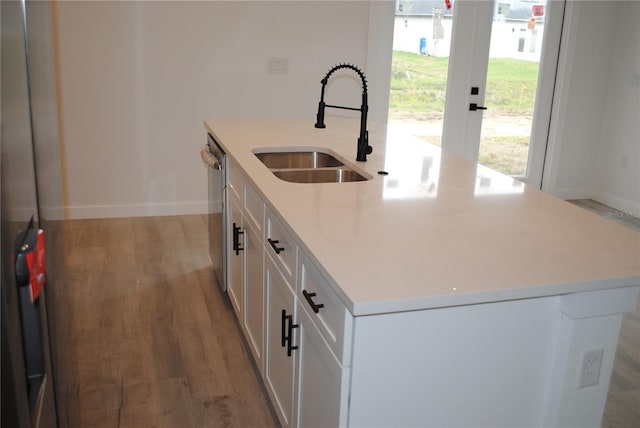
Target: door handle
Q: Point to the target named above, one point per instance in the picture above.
(287, 332)
(290, 346)
(236, 239)
(474, 107)
(285, 317)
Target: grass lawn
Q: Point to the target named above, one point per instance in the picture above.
(418, 87)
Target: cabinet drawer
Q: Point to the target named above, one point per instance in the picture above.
(281, 246)
(254, 207)
(251, 202)
(329, 314)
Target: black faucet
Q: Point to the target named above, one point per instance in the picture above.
(363, 139)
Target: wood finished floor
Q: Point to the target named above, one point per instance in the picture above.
(151, 343)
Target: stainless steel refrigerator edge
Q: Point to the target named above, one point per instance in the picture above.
(29, 154)
(217, 188)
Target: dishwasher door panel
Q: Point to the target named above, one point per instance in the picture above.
(217, 215)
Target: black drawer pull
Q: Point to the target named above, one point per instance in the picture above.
(315, 306)
(274, 245)
(236, 239)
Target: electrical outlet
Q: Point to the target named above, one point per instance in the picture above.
(590, 371)
(277, 65)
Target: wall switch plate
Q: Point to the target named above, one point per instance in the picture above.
(624, 161)
(590, 370)
(277, 65)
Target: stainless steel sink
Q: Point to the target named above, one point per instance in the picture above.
(324, 175)
(289, 160)
(308, 166)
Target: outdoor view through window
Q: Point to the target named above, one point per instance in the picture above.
(421, 50)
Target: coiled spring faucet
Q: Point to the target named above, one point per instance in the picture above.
(363, 139)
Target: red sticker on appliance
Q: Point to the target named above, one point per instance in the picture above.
(36, 264)
(447, 4)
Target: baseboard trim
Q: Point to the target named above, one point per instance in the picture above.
(141, 210)
(620, 204)
(571, 193)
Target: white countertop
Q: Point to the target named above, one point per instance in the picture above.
(437, 230)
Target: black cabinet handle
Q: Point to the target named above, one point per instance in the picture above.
(290, 346)
(315, 306)
(287, 332)
(284, 327)
(236, 239)
(274, 245)
(474, 107)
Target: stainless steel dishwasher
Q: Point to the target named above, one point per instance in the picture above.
(215, 158)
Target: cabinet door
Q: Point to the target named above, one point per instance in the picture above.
(322, 382)
(236, 258)
(279, 368)
(254, 294)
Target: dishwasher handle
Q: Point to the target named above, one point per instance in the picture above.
(209, 159)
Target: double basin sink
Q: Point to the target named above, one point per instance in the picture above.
(306, 165)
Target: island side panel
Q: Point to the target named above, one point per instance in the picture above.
(590, 322)
(478, 365)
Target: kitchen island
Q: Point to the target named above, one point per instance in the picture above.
(451, 295)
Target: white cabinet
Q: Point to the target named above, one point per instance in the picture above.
(307, 384)
(322, 381)
(281, 343)
(235, 281)
(298, 330)
(305, 376)
(253, 321)
(246, 254)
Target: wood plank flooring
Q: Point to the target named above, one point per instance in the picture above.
(623, 401)
(147, 341)
(151, 341)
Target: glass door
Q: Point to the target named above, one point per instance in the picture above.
(421, 43)
(500, 82)
(518, 93)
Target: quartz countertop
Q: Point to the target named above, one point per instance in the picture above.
(436, 231)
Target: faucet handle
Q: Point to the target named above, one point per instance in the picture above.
(364, 148)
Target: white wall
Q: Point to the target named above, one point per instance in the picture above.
(43, 111)
(616, 181)
(596, 108)
(136, 80)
